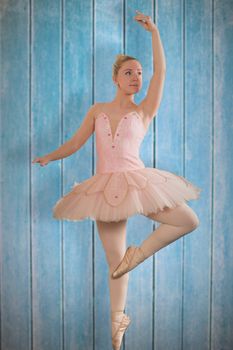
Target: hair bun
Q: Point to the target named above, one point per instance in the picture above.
(120, 59)
(120, 55)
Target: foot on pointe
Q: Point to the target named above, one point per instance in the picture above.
(120, 322)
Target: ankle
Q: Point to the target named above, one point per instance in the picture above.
(113, 311)
(116, 313)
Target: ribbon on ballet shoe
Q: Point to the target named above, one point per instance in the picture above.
(133, 257)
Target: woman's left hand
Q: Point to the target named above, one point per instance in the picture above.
(145, 21)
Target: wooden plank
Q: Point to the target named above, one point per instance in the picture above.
(46, 103)
(15, 177)
(79, 255)
(108, 36)
(169, 156)
(198, 147)
(222, 224)
(140, 296)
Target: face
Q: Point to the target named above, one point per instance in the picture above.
(129, 76)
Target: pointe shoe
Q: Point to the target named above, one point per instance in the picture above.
(122, 322)
(133, 256)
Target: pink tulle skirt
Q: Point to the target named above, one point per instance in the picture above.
(118, 195)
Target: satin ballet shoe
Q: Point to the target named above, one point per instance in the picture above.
(122, 321)
(133, 256)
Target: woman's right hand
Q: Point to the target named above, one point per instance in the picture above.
(42, 160)
(145, 21)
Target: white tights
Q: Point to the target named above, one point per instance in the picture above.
(175, 223)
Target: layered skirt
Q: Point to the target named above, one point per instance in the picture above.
(118, 195)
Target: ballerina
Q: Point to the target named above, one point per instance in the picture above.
(122, 185)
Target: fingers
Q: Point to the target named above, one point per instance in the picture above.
(141, 22)
(142, 17)
(39, 160)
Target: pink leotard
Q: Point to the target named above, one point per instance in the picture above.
(119, 152)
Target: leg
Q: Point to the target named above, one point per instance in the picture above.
(175, 222)
(113, 238)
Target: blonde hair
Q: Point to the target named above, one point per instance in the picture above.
(120, 59)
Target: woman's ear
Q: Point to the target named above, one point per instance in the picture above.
(115, 82)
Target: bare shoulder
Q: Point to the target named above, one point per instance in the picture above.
(93, 111)
(96, 108)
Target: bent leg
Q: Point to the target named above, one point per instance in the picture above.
(113, 238)
(175, 222)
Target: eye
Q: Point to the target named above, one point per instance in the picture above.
(130, 72)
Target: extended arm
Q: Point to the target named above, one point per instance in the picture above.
(159, 61)
(151, 102)
(153, 97)
(78, 139)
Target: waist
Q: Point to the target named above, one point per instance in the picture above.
(116, 164)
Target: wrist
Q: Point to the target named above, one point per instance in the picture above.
(154, 30)
(49, 158)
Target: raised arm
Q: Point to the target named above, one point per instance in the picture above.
(151, 102)
(75, 142)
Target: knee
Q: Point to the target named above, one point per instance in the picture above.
(194, 222)
(114, 259)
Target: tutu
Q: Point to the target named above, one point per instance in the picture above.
(116, 196)
(123, 186)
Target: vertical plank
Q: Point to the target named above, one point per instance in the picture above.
(222, 279)
(15, 177)
(46, 119)
(197, 136)
(108, 36)
(78, 236)
(169, 155)
(140, 299)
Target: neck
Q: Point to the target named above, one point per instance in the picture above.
(123, 100)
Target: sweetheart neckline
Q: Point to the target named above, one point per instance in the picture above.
(119, 122)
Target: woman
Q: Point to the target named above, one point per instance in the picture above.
(122, 185)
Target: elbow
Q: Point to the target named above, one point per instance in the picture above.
(73, 146)
(76, 145)
(162, 70)
(159, 72)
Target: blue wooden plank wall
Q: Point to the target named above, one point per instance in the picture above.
(56, 60)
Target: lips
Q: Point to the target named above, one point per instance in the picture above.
(134, 85)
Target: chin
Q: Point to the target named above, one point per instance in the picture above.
(135, 89)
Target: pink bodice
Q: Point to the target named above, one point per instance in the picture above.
(119, 152)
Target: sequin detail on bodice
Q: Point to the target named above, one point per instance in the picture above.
(119, 152)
